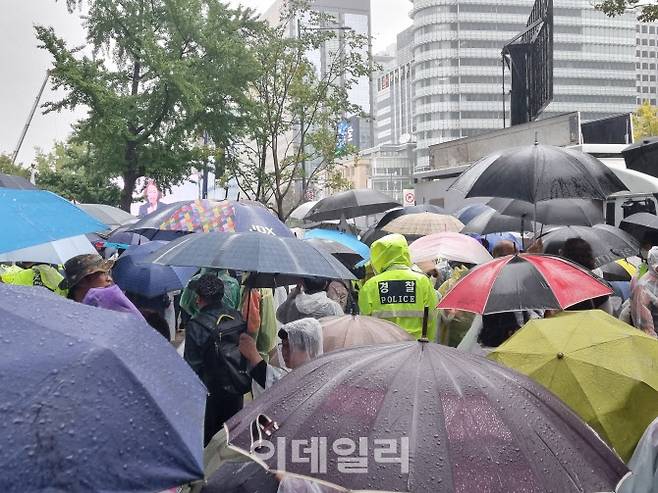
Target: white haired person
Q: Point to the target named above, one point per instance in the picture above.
(644, 299)
(301, 341)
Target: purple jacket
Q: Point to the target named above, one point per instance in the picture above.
(111, 298)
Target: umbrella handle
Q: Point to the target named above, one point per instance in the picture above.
(426, 316)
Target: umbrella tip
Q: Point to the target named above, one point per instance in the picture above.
(536, 138)
(560, 355)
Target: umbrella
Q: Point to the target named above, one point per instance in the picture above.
(493, 221)
(640, 225)
(16, 182)
(179, 218)
(423, 223)
(572, 212)
(608, 243)
(277, 261)
(302, 210)
(352, 203)
(31, 217)
(346, 239)
(597, 365)
(359, 330)
(349, 258)
(414, 209)
(92, 400)
(523, 282)
(112, 216)
(420, 417)
(372, 235)
(539, 172)
(471, 211)
(454, 247)
(54, 252)
(134, 275)
(241, 477)
(619, 270)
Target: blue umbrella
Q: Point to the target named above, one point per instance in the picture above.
(32, 217)
(346, 239)
(92, 400)
(147, 279)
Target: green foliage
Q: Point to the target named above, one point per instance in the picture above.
(296, 109)
(646, 11)
(8, 168)
(68, 170)
(645, 122)
(161, 72)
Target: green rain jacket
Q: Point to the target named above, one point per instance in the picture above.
(397, 293)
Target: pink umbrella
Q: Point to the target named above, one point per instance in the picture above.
(450, 246)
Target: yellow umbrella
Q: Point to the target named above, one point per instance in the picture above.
(603, 369)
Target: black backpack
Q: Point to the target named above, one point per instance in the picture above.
(224, 367)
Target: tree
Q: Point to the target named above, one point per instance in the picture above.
(68, 171)
(646, 11)
(645, 121)
(9, 168)
(296, 108)
(162, 74)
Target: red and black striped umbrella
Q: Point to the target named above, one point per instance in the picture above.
(523, 282)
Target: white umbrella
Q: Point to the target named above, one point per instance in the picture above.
(54, 252)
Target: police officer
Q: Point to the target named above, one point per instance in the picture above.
(397, 293)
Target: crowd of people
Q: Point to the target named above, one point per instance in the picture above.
(241, 341)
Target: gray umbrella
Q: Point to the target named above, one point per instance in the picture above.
(112, 216)
(352, 203)
(274, 260)
(539, 172)
(571, 212)
(494, 222)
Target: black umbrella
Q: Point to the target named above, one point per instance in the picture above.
(348, 257)
(274, 260)
(492, 221)
(571, 212)
(241, 477)
(608, 243)
(16, 182)
(372, 235)
(641, 226)
(539, 172)
(420, 417)
(352, 203)
(414, 209)
(641, 156)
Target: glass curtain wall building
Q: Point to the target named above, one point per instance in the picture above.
(458, 72)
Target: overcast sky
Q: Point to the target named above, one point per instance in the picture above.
(24, 65)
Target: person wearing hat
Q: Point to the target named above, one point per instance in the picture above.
(88, 280)
(220, 404)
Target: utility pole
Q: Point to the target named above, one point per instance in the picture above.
(204, 188)
(29, 118)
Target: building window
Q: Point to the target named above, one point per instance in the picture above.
(645, 78)
(644, 29)
(652, 29)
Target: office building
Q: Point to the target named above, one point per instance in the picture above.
(458, 83)
(646, 62)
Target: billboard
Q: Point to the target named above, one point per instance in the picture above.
(530, 57)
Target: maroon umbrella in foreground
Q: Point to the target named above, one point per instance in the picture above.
(419, 417)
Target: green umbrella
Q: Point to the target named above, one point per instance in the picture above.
(604, 369)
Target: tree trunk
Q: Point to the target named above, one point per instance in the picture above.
(129, 180)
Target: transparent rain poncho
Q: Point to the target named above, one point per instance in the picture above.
(644, 298)
(305, 335)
